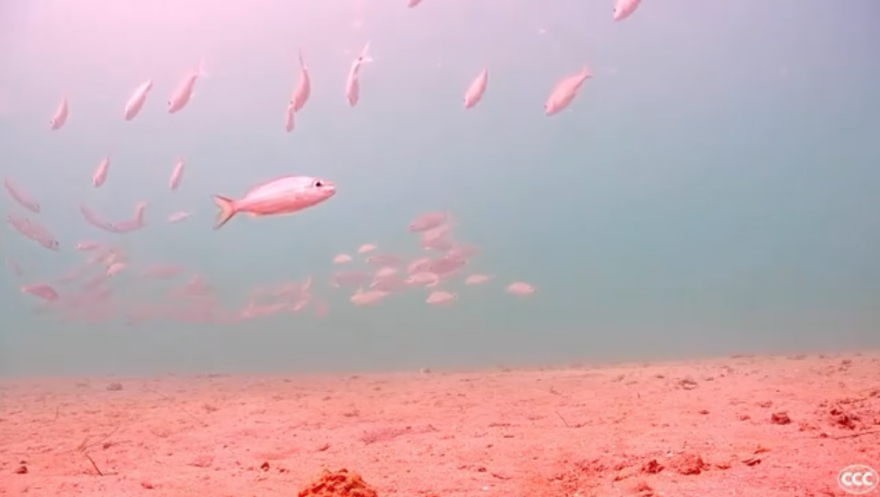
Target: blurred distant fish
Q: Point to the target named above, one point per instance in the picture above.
(21, 197)
(41, 290)
(60, 116)
(350, 278)
(419, 265)
(176, 174)
(383, 260)
(428, 221)
(136, 102)
(342, 259)
(303, 88)
(624, 8)
(136, 223)
(285, 195)
(440, 297)
(92, 218)
(565, 91)
(520, 288)
(178, 216)
(366, 248)
(413, 3)
(34, 231)
(86, 246)
(14, 267)
(477, 279)
(100, 175)
(352, 85)
(289, 118)
(115, 268)
(475, 92)
(366, 298)
(183, 94)
(425, 279)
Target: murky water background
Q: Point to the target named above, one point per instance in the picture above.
(712, 189)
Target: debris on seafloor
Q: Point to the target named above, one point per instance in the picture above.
(342, 483)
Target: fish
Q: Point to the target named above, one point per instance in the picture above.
(178, 216)
(388, 284)
(439, 232)
(520, 288)
(624, 8)
(100, 175)
(21, 197)
(383, 260)
(368, 297)
(136, 102)
(14, 267)
(413, 3)
(474, 93)
(419, 265)
(183, 94)
(366, 248)
(477, 279)
(284, 195)
(134, 224)
(565, 91)
(34, 231)
(428, 221)
(426, 279)
(439, 297)
(60, 116)
(42, 291)
(446, 265)
(176, 174)
(342, 259)
(303, 88)
(115, 268)
(86, 246)
(352, 84)
(92, 218)
(385, 272)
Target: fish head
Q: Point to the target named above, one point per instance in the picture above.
(623, 8)
(319, 190)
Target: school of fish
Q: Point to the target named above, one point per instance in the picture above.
(86, 291)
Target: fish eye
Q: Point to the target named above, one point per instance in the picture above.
(319, 184)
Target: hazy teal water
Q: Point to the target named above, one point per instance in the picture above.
(713, 188)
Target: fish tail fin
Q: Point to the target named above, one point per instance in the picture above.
(365, 53)
(586, 72)
(227, 210)
(139, 212)
(302, 61)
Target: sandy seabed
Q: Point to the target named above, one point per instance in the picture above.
(747, 425)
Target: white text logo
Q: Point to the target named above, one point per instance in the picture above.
(858, 479)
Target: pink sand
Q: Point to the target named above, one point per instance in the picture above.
(768, 426)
